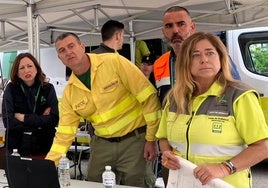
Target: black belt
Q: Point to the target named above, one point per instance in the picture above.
(128, 135)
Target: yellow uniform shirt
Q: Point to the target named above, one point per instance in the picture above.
(121, 99)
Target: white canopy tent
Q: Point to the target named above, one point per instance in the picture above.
(34, 24)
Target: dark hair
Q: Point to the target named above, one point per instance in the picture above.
(64, 35)
(109, 28)
(176, 9)
(15, 68)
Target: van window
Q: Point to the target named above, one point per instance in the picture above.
(254, 49)
(259, 54)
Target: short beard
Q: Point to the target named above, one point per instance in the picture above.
(176, 47)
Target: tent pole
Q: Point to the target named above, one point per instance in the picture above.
(3, 30)
(96, 17)
(37, 38)
(30, 27)
(131, 42)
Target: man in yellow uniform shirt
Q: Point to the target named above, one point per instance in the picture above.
(122, 105)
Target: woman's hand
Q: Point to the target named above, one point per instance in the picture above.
(19, 117)
(169, 160)
(47, 111)
(205, 173)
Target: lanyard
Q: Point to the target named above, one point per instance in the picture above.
(35, 97)
(172, 70)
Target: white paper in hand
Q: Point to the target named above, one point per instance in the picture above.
(184, 177)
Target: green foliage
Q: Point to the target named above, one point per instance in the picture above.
(259, 53)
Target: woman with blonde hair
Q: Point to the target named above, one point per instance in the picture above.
(211, 119)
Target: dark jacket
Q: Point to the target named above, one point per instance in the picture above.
(103, 49)
(35, 135)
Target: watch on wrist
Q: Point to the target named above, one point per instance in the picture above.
(230, 165)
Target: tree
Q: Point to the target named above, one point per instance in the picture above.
(259, 54)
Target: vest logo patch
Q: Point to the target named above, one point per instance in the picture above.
(43, 100)
(223, 100)
(110, 85)
(217, 127)
(80, 105)
(217, 113)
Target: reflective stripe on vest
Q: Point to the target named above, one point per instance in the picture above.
(127, 118)
(106, 116)
(120, 124)
(67, 129)
(162, 70)
(208, 150)
(152, 116)
(162, 82)
(114, 111)
(142, 96)
(216, 110)
(59, 148)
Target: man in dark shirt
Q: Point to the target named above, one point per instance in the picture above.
(112, 33)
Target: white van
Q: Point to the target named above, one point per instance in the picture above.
(249, 50)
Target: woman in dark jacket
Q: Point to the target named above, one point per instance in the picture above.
(30, 109)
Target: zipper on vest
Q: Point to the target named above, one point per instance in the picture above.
(188, 123)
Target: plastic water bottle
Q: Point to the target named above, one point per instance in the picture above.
(64, 172)
(15, 153)
(108, 177)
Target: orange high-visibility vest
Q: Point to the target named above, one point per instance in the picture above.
(162, 70)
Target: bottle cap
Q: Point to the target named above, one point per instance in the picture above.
(108, 167)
